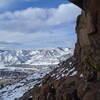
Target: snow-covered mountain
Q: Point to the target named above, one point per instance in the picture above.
(19, 63)
(34, 57)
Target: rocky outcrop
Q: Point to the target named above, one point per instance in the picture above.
(59, 85)
(79, 3)
(88, 30)
(85, 85)
(87, 51)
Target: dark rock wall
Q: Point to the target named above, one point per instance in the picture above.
(87, 51)
(88, 31)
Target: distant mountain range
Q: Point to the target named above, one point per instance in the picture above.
(48, 56)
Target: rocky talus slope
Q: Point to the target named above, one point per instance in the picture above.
(80, 75)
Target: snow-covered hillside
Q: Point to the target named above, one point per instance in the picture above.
(34, 57)
(15, 91)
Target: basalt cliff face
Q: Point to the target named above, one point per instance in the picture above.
(80, 75)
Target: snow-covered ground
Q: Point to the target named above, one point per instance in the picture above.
(20, 69)
(11, 92)
(17, 90)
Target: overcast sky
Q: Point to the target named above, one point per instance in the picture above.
(37, 24)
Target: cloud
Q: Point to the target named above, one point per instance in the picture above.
(9, 43)
(33, 19)
(64, 14)
(32, 25)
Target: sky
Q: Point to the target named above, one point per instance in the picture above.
(26, 24)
